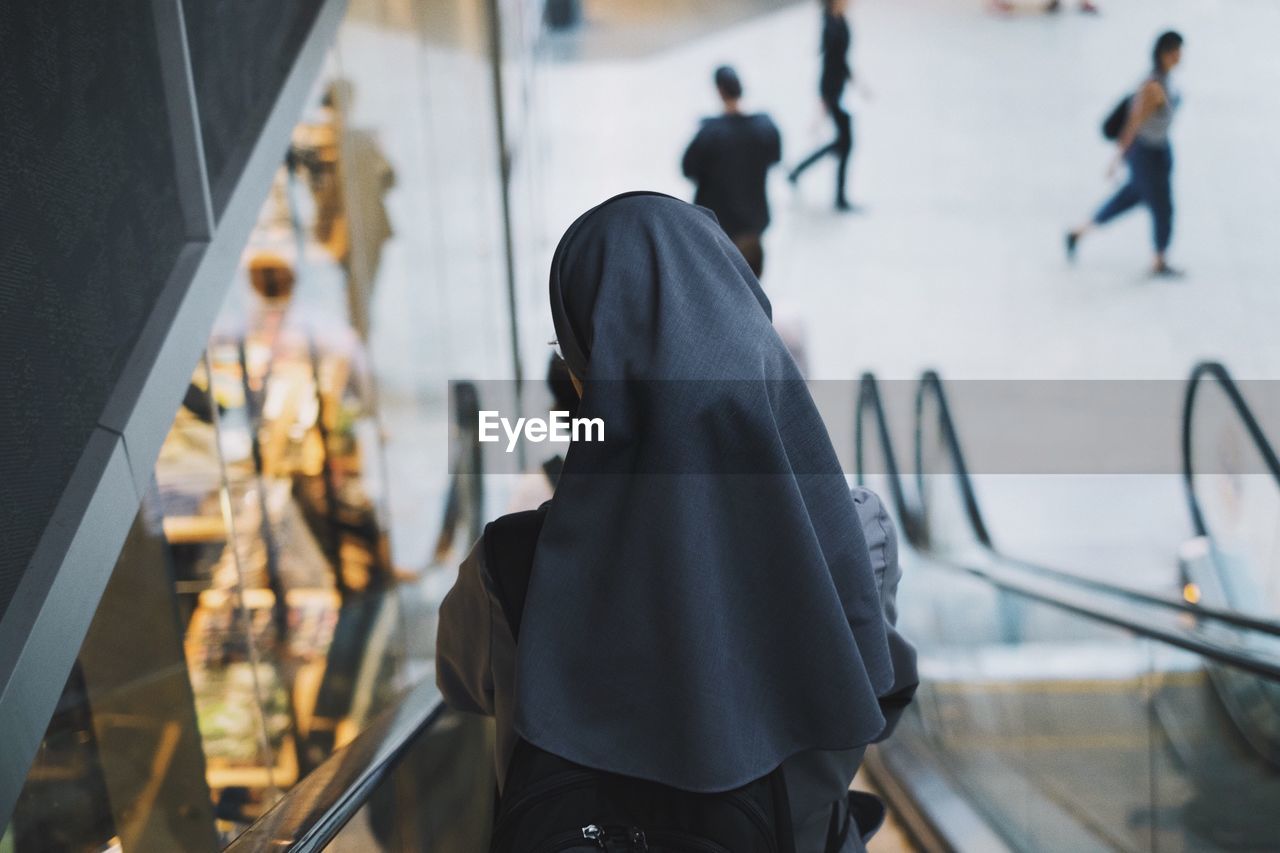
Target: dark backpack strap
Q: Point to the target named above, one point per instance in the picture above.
(865, 811)
(509, 543)
(786, 835)
(837, 830)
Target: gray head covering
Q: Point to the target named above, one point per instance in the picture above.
(683, 624)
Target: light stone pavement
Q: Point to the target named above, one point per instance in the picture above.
(979, 147)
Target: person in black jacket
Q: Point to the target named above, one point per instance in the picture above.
(835, 73)
(729, 159)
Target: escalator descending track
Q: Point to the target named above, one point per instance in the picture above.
(1069, 713)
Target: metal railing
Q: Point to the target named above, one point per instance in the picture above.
(915, 519)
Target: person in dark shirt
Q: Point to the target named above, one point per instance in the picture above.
(835, 73)
(729, 160)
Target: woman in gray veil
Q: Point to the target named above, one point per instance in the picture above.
(706, 601)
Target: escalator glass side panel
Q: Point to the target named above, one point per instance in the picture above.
(252, 626)
(440, 796)
(1070, 733)
(1234, 492)
(121, 766)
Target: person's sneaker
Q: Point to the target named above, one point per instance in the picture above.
(1073, 240)
(1166, 271)
(1053, 7)
(845, 206)
(1087, 8)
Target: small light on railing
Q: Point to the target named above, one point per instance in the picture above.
(1191, 592)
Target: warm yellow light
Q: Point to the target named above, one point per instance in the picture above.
(1191, 592)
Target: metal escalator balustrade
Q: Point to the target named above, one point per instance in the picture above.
(1068, 714)
(419, 777)
(931, 391)
(1071, 715)
(1231, 562)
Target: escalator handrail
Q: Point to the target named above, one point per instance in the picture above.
(312, 813)
(316, 809)
(930, 385)
(916, 527)
(1200, 611)
(1218, 371)
(869, 398)
(1038, 583)
(1089, 604)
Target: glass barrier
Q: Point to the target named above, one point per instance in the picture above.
(250, 626)
(439, 797)
(1240, 506)
(1068, 734)
(252, 623)
(121, 764)
(280, 585)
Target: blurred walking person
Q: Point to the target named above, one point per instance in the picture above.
(1053, 7)
(1086, 7)
(1144, 146)
(836, 38)
(729, 160)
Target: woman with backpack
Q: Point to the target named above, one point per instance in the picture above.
(1144, 145)
(692, 642)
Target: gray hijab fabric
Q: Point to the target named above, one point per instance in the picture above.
(702, 604)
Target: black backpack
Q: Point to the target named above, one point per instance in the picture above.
(550, 805)
(1113, 124)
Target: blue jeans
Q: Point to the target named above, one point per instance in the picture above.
(1149, 169)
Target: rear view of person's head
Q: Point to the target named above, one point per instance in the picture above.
(661, 254)
(658, 314)
(271, 277)
(728, 84)
(1167, 52)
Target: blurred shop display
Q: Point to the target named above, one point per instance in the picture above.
(349, 177)
(255, 623)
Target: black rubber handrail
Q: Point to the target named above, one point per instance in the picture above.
(1199, 611)
(869, 401)
(1049, 586)
(1089, 602)
(313, 812)
(1215, 370)
(915, 519)
(931, 385)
